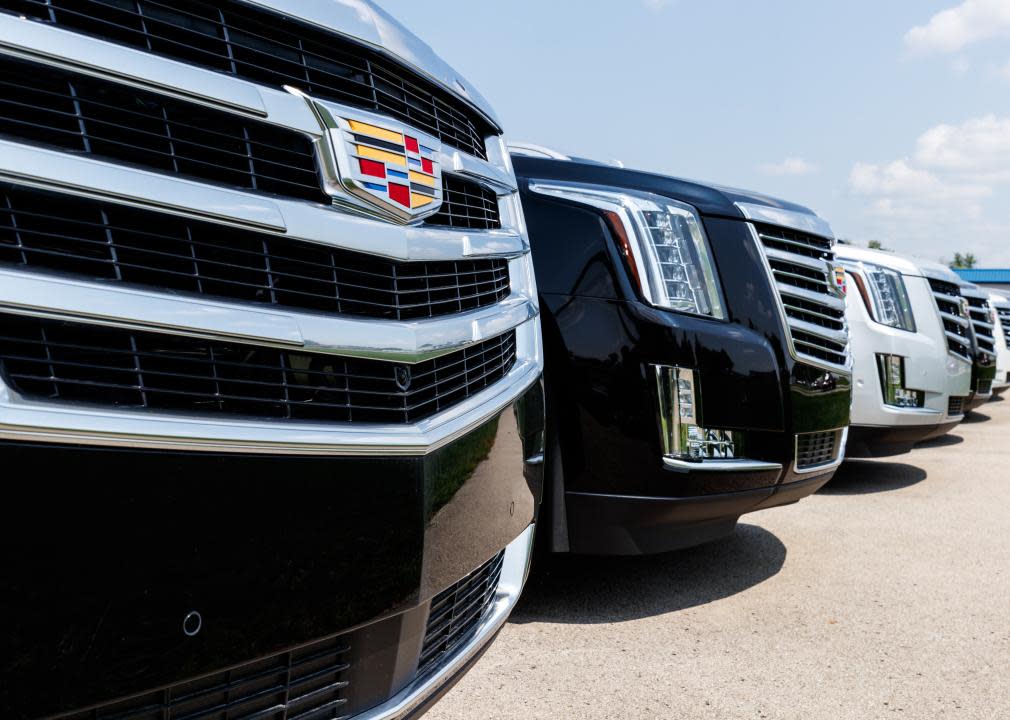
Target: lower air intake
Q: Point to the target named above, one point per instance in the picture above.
(955, 406)
(983, 387)
(457, 611)
(816, 449)
(307, 684)
(71, 362)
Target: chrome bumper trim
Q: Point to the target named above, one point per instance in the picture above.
(515, 569)
(37, 421)
(720, 465)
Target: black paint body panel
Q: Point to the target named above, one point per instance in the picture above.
(105, 551)
(600, 338)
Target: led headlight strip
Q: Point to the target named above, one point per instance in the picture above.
(663, 242)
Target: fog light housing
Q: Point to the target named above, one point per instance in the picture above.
(892, 382)
(680, 424)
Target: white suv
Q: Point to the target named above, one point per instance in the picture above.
(909, 380)
(1001, 306)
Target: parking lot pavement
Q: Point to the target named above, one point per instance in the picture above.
(885, 595)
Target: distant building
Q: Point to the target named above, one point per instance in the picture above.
(995, 279)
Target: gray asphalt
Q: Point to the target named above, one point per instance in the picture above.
(885, 595)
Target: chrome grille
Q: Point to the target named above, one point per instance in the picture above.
(1003, 313)
(113, 121)
(309, 683)
(117, 243)
(815, 315)
(947, 296)
(981, 321)
(456, 612)
(816, 449)
(53, 360)
(265, 47)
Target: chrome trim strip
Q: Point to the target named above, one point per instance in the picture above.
(529, 149)
(957, 320)
(786, 218)
(41, 295)
(54, 45)
(826, 466)
(85, 176)
(65, 172)
(794, 259)
(30, 294)
(515, 570)
(839, 336)
(37, 421)
(720, 465)
(830, 301)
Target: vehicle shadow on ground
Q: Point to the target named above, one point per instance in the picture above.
(863, 477)
(574, 589)
(942, 441)
(975, 417)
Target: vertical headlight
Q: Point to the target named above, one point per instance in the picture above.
(663, 242)
(884, 294)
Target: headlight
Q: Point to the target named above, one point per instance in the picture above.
(885, 296)
(663, 242)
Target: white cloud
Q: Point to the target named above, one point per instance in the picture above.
(949, 194)
(955, 28)
(789, 166)
(1004, 71)
(979, 145)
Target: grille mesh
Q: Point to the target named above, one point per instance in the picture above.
(983, 387)
(466, 205)
(819, 448)
(76, 112)
(955, 325)
(304, 684)
(265, 47)
(955, 405)
(112, 242)
(456, 612)
(814, 314)
(71, 362)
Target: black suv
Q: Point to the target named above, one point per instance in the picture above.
(696, 352)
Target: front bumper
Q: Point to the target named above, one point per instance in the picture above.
(111, 549)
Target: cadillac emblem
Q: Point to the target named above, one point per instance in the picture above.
(383, 168)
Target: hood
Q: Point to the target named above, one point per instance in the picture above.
(366, 22)
(709, 199)
(938, 271)
(904, 264)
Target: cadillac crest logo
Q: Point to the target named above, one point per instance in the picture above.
(382, 168)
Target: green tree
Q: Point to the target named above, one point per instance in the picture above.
(876, 245)
(966, 261)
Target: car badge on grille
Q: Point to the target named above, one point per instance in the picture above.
(838, 273)
(381, 167)
(401, 373)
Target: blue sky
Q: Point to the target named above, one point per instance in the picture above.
(890, 119)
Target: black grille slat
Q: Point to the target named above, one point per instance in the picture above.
(1003, 315)
(466, 205)
(456, 612)
(819, 448)
(105, 241)
(307, 682)
(261, 46)
(70, 362)
(85, 115)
